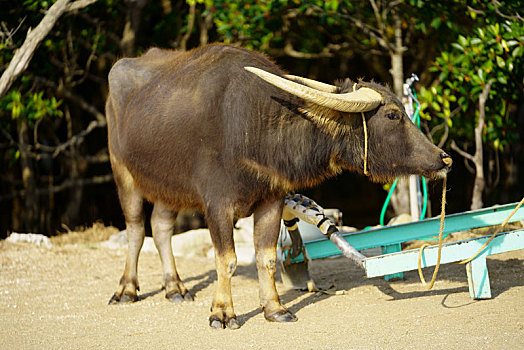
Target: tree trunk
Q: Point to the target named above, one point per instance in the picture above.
(28, 179)
(400, 198)
(477, 158)
(133, 18)
(397, 66)
(190, 24)
(480, 183)
(70, 216)
(478, 187)
(205, 25)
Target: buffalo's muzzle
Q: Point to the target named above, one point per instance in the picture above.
(446, 159)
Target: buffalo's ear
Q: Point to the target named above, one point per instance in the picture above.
(345, 85)
(328, 120)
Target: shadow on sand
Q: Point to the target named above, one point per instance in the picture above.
(343, 275)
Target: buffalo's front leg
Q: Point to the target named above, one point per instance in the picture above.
(162, 224)
(220, 223)
(267, 228)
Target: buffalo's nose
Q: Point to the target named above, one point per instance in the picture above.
(446, 159)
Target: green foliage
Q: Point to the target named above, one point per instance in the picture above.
(493, 52)
(446, 17)
(69, 69)
(245, 20)
(267, 24)
(32, 106)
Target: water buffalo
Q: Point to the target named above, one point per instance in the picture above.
(223, 130)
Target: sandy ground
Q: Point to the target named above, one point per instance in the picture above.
(53, 298)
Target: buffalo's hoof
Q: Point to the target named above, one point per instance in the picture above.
(124, 299)
(231, 323)
(282, 316)
(216, 324)
(176, 297)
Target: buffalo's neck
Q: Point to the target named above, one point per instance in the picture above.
(294, 153)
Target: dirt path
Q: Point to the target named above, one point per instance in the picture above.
(57, 298)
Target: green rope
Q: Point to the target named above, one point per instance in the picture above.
(386, 202)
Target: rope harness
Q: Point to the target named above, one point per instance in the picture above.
(365, 138)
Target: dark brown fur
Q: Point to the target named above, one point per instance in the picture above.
(195, 129)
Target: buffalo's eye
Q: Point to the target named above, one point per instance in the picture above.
(393, 116)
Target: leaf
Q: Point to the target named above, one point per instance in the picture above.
(518, 51)
(436, 22)
(443, 75)
(500, 62)
(457, 46)
(488, 66)
(475, 41)
(333, 4)
(476, 79)
(15, 112)
(480, 73)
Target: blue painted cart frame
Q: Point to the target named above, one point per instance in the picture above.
(393, 262)
(477, 272)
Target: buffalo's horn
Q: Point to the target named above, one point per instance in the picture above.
(312, 83)
(362, 100)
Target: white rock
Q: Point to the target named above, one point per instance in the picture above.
(33, 238)
(198, 242)
(401, 219)
(245, 253)
(149, 245)
(192, 243)
(118, 240)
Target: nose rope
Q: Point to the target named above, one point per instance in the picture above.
(365, 138)
(439, 252)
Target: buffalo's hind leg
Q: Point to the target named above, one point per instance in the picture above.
(267, 226)
(131, 201)
(162, 224)
(220, 223)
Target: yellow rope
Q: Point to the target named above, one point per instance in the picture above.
(365, 138)
(365, 145)
(439, 254)
(497, 231)
(465, 261)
